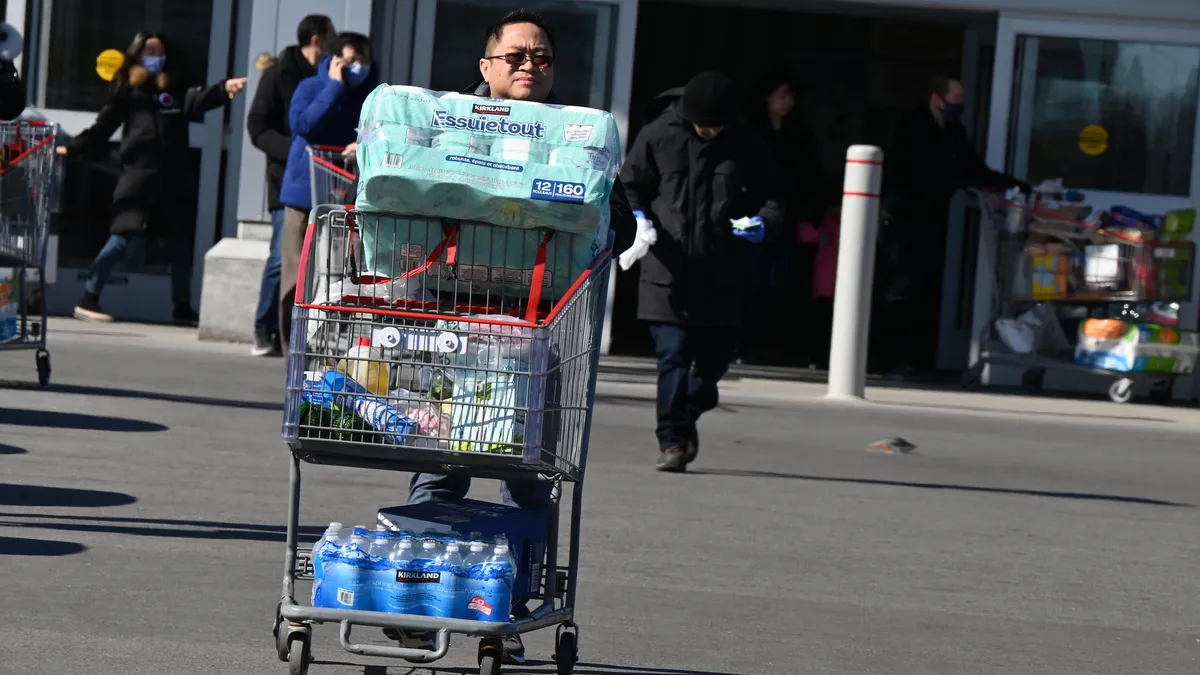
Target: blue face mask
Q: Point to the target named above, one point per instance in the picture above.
(952, 110)
(356, 74)
(154, 64)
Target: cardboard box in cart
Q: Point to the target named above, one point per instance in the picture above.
(1136, 347)
(525, 530)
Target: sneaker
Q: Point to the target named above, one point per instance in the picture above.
(185, 316)
(265, 345)
(672, 460)
(88, 309)
(514, 650)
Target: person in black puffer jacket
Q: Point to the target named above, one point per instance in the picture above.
(693, 171)
(12, 89)
(154, 106)
(267, 124)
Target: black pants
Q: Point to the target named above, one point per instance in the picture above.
(908, 305)
(691, 361)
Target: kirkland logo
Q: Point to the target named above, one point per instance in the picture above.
(486, 109)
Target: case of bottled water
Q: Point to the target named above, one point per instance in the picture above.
(524, 530)
(404, 572)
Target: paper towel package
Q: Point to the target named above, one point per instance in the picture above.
(508, 163)
(1136, 347)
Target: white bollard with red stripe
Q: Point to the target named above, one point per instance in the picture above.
(855, 273)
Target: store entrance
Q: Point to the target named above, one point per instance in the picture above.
(859, 69)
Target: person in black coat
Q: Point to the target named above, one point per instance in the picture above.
(155, 107)
(694, 170)
(267, 125)
(930, 158)
(777, 295)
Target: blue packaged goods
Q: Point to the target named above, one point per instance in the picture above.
(508, 163)
(342, 571)
(524, 529)
(487, 591)
(420, 588)
(334, 389)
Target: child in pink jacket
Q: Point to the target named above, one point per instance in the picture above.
(820, 320)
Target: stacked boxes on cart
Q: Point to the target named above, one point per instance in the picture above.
(1073, 253)
(518, 192)
(464, 560)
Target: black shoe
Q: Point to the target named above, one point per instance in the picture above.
(185, 316)
(693, 445)
(88, 309)
(672, 460)
(514, 650)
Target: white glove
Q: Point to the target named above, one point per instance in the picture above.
(645, 238)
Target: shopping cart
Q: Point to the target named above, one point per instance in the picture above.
(27, 186)
(332, 175)
(1070, 261)
(444, 332)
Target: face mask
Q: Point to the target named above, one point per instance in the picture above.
(356, 74)
(154, 64)
(952, 110)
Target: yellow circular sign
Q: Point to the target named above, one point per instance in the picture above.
(108, 63)
(1093, 140)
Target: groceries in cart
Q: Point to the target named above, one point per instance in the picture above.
(460, 560)
(1122, 346)
(508, 163)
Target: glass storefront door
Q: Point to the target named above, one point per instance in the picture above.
(66, 36)
(1111, 109)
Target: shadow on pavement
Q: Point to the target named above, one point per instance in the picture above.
(161, 527)
(84, 390)
(583, 668)
(64, 420)
(42, 495)
(1030, 413)
(1082, 496)
(11, 450)
(38, 547)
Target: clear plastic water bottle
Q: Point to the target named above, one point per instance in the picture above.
(378, 575)
(356, 553)
(423, 581)
(395, 598)
(326, 547)
(450, 567)
(490, 583)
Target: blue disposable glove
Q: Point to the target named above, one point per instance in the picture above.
(751, 229)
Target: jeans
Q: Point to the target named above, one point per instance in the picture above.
(691, 361)
(266, 317)
(432, 487)
(120, 248)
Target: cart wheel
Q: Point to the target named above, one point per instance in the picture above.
(1160, 392)
(281, 641)
(1031, 380)
(298, 654)
(1121, 390)
(489, 664)
(566, 654)
(43, 367)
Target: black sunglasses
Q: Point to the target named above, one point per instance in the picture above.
(518, 59)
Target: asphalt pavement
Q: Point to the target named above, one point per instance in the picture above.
(142, 502)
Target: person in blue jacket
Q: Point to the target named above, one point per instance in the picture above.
(324, 111)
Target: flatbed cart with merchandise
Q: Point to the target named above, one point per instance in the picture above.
(27, 182)
(438, 308)
(1085, 265)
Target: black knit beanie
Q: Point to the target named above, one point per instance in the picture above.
(708, 100)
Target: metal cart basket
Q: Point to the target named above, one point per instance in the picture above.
(468, 353)
(27, 186)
